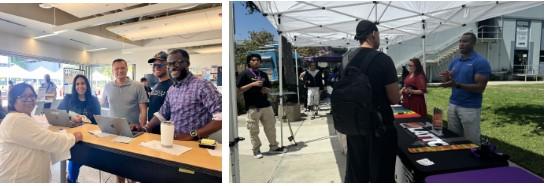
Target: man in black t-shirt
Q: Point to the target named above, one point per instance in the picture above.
(159, 91)
(372, 158)
(255, 86)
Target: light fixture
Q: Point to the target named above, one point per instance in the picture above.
(179, 24)
(97, 49)
(45, 5)
(46, 35)
(208, 50)
(50, 34)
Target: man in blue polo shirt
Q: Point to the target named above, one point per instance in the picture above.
(467, 76)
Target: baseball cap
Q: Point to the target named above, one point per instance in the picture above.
(364, 28)
(159, 56)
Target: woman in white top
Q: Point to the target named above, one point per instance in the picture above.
(27, 148)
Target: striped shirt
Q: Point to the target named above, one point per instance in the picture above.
(191, 103)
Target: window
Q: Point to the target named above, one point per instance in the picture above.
(31, 71)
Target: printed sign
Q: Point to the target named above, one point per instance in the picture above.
(522, 34)
(424, 135)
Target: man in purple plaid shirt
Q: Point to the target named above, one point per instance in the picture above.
(192, 104)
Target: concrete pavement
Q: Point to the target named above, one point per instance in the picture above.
(317, 157)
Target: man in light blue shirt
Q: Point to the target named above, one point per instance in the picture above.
(467, 76)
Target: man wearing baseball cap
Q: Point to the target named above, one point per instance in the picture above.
(159, 91)
(372, 158)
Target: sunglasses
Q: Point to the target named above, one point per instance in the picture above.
(158, 65)
(177, 63)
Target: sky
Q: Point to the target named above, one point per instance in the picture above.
(245, 22)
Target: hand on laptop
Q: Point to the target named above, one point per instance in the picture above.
(76, 119)
(135, 127)
(78, 136)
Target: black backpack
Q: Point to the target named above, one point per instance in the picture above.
(351, 100)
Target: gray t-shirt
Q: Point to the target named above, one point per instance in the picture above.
(124, 100)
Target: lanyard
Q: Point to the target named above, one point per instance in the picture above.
(256, 76)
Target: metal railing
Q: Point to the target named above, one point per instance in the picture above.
(489, 32)
(527, 71)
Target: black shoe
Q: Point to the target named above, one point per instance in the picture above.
(276, 149)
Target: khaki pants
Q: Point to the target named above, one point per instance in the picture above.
(266, 116)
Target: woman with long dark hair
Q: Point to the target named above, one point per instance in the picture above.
(27, 149)
(81, 102)
(414, 88)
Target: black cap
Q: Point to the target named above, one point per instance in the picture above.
(364, 28)
(162, 56)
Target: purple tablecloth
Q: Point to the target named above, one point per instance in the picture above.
(491, 175)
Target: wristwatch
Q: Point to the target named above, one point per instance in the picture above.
(457, 85)
(194, 135)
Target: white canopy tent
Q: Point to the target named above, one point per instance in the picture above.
(333, 23)
(41, 71)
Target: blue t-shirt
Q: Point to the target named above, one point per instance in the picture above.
(463, 71)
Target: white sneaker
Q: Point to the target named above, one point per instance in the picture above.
(257, 155)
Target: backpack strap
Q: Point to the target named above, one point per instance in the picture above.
(364, 63)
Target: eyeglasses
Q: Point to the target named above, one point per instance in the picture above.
(27, 98)
(177, 63)
(408, 65)
(158, 65)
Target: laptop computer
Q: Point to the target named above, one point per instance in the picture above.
(39, 108)
(59, 118)
(116, 126)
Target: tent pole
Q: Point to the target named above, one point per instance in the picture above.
(297, 79)
(376, 15)
(424, 48)
(280, 85)
(233, 124)
(423, 54)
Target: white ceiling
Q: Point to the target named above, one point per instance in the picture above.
(100, 37)
(81, 10)
(186, 23)
(70, 39)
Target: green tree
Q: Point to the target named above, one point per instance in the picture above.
(308, 51)
(256, 40)
(251, 7)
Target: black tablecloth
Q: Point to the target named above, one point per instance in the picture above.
(445, 161)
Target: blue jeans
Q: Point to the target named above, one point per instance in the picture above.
(73, 171)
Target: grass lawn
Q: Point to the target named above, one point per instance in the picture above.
(512, 117)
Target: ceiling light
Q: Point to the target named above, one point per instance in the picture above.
(46, 35)
(97, 49)
(208, 50)
(50, 34)
(45, 5)
(179, 24)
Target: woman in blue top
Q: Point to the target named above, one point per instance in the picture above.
(81, 102)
